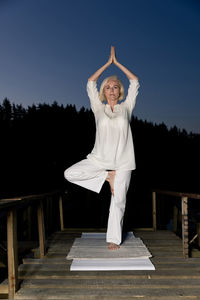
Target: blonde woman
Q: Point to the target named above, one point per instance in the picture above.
(112, 158)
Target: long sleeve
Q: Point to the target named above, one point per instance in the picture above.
(132, 94)
(93, 95)
(113, 148)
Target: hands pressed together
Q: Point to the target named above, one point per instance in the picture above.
(112, 58)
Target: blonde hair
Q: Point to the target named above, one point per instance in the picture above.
(114, 78)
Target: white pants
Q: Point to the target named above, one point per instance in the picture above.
(88, 175)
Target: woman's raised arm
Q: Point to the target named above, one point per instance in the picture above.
(112, 59)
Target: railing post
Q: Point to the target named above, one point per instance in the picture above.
(154, 210)
(41, 228)
(61, 213)
(198, 233)
(184, 205)
(12, 253)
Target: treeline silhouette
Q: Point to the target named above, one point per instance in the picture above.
(39, 142)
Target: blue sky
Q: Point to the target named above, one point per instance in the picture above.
(50, 47)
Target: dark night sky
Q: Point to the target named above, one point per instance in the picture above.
(49, 48)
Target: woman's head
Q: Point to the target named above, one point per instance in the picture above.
(111, 86)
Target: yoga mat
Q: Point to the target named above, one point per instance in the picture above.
(91, 253)
(111, 265)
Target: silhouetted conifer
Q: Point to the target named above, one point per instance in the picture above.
(39, 142)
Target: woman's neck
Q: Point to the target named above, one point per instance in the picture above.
(112, 104)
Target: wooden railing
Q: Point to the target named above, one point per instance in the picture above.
(184, 212)
(10, 206)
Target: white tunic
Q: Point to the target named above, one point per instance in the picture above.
(113, 149)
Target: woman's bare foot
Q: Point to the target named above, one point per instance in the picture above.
(113, 246)
(110, 178)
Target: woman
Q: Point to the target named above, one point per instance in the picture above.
(112, 158)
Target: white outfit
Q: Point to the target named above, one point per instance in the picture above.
(113, 150)
(113, 147)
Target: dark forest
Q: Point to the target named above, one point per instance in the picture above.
(39, 142)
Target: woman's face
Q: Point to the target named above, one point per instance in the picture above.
(111, 91)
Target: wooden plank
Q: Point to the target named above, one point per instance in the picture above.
(174, 248)
(106, 291)
(62, 274)
(79, 230)
(11, 202)
(4, 287)
(51, 278)
(12, 253)
(60, 243)
(154, 252)
(163, 242)
(154, 210)
(198, 234)
(163, 255)
(41, 229)
(175, 260)
(35, 196)
(116, 297)
(184, 205)
(44, 261)
(61, 213)
(143, 228)
(157, 233)
(155, 260)
(178, 194)
(50, 267)
(150, 283)
(166, 254)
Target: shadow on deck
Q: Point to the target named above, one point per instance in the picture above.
(50, 277)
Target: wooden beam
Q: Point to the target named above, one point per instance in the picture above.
(4, 289)
(177, 194)
(154, 210)
(12, 253)
(41, 229)
(198, 233)
(184, 205)
(61, 213)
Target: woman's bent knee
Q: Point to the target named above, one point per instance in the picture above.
(67, 174)
(72, 174)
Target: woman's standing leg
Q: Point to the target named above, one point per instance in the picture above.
(117, 207)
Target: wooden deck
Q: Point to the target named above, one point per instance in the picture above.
(50, 278)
